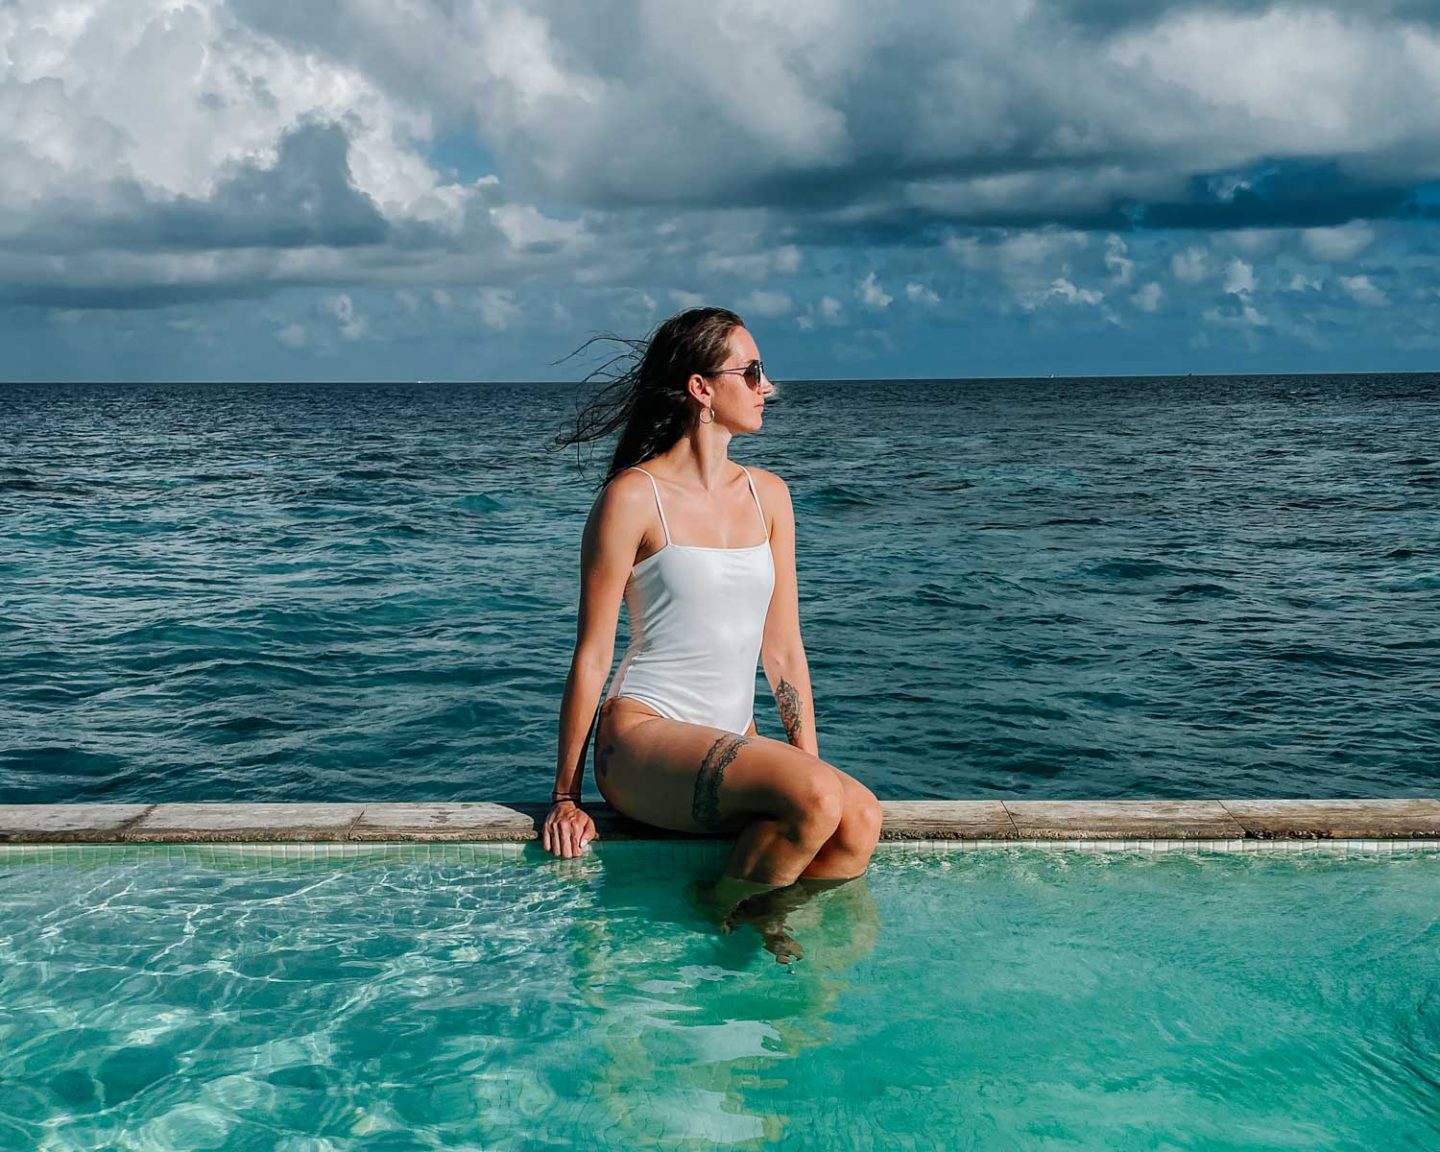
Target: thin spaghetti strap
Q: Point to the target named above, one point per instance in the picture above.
(751, 481)
(658, 505)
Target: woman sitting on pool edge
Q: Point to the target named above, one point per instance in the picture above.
(675, 739)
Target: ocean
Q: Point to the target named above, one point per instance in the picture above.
(1042, 589)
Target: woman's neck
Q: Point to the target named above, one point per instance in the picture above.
(701, 458)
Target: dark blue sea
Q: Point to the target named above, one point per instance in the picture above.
(1030, 588)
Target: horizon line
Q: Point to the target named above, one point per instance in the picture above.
(785, 380)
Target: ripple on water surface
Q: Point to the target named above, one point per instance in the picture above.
(1241, 566)
(203, 997)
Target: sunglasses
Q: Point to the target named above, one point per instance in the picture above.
(754, 373)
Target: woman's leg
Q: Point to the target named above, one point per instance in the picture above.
(847, 853)
(783, 804)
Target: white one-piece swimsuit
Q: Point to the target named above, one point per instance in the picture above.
(697, 616)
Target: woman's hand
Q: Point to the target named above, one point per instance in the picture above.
(567, 830)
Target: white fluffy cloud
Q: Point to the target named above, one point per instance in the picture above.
(1190, 266)
(872, 295)
(1239, 277)
(1148, 297)
(1343, 243)
(1363, 291)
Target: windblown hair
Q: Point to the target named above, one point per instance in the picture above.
(643, 386)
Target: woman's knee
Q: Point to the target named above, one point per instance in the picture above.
(863, 817)
(817, 801)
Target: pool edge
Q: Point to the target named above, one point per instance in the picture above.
(1061, 822)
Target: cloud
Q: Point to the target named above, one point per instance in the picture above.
(498, 308)
(1190, 266)
(1120, 266)
(238, 163)
(351, 325)
(872, 295)
(1239, 277)
(1185, 115)
(1343, 243)
(757, 265)
(1074, 295)
(1148, 297)
(1236, 311)
(1362, 291)
(765, 304)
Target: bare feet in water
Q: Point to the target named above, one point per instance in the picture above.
(764, 910)
(766, 914)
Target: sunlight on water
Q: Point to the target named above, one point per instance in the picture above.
(449, 998)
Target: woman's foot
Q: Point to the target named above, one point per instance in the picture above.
(765, 912)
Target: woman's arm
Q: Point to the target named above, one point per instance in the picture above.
(607, 553)
(782, 652)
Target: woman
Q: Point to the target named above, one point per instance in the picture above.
(675, 530)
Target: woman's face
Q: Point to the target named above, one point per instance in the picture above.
(740, 385)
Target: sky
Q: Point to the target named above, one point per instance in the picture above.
(469, 189)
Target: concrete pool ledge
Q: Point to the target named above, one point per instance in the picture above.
(928, 820)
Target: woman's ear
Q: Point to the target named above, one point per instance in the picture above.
(701, 388)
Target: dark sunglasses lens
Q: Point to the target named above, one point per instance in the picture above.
(754, 373)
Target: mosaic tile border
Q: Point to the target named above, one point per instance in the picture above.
(330, 855)
(982, 821)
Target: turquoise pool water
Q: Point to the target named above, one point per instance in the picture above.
(490, 997)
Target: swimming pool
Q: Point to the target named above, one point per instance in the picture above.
(486, 996)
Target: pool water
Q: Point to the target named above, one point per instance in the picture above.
(457, 996)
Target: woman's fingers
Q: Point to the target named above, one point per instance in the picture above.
(567, 835)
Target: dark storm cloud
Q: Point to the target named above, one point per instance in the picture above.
(893, 119)
(1281, 194)
(306, 198)
(1104, 17)
(129, 295)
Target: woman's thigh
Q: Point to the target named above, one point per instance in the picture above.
(693, 778)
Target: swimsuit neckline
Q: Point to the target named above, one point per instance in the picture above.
(699, 548)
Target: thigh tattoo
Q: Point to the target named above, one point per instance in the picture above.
(705, 808)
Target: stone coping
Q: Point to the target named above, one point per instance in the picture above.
(969, 820)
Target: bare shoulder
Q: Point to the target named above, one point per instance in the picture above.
(773, 491)
(628, 486)
(622, 508)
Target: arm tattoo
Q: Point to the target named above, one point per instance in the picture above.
(705, 808)
(602, 754)
(792, 710)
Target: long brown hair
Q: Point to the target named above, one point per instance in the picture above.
(644, 385)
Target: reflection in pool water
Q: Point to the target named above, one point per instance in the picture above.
(470, 996)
